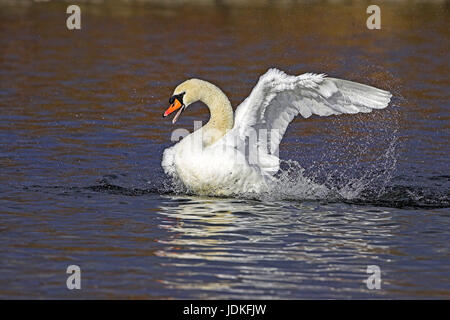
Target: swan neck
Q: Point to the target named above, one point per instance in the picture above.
(221, 113)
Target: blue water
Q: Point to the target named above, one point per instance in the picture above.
(81, 139)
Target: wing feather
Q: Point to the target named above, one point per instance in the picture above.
(277, 98)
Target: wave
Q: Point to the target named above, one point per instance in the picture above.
(396, 196)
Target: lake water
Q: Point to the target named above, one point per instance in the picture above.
(81, 139)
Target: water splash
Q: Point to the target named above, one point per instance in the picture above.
(292, 182)
(358, 157)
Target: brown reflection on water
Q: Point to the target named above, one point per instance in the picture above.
(126, 60)
(75, 105)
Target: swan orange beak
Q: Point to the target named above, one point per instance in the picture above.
(173, 107)
(176, 105)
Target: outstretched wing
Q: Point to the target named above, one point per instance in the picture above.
(277, 98)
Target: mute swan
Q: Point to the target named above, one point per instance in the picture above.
(235, 156)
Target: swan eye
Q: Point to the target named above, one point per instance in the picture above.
(179, 97)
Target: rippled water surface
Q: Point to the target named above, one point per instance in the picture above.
(81, 138)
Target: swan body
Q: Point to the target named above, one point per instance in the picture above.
(239, 155)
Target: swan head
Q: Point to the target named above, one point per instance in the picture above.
(184, 95)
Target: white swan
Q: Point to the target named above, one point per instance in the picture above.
(234, 156)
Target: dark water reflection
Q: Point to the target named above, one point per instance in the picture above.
(162, 246)
(81, 137)
(300, 250)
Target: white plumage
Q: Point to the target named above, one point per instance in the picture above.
(242, 158)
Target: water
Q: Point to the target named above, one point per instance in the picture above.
(82, 136)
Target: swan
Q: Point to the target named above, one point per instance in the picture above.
(239, 155)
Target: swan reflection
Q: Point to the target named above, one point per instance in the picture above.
(260, 245)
